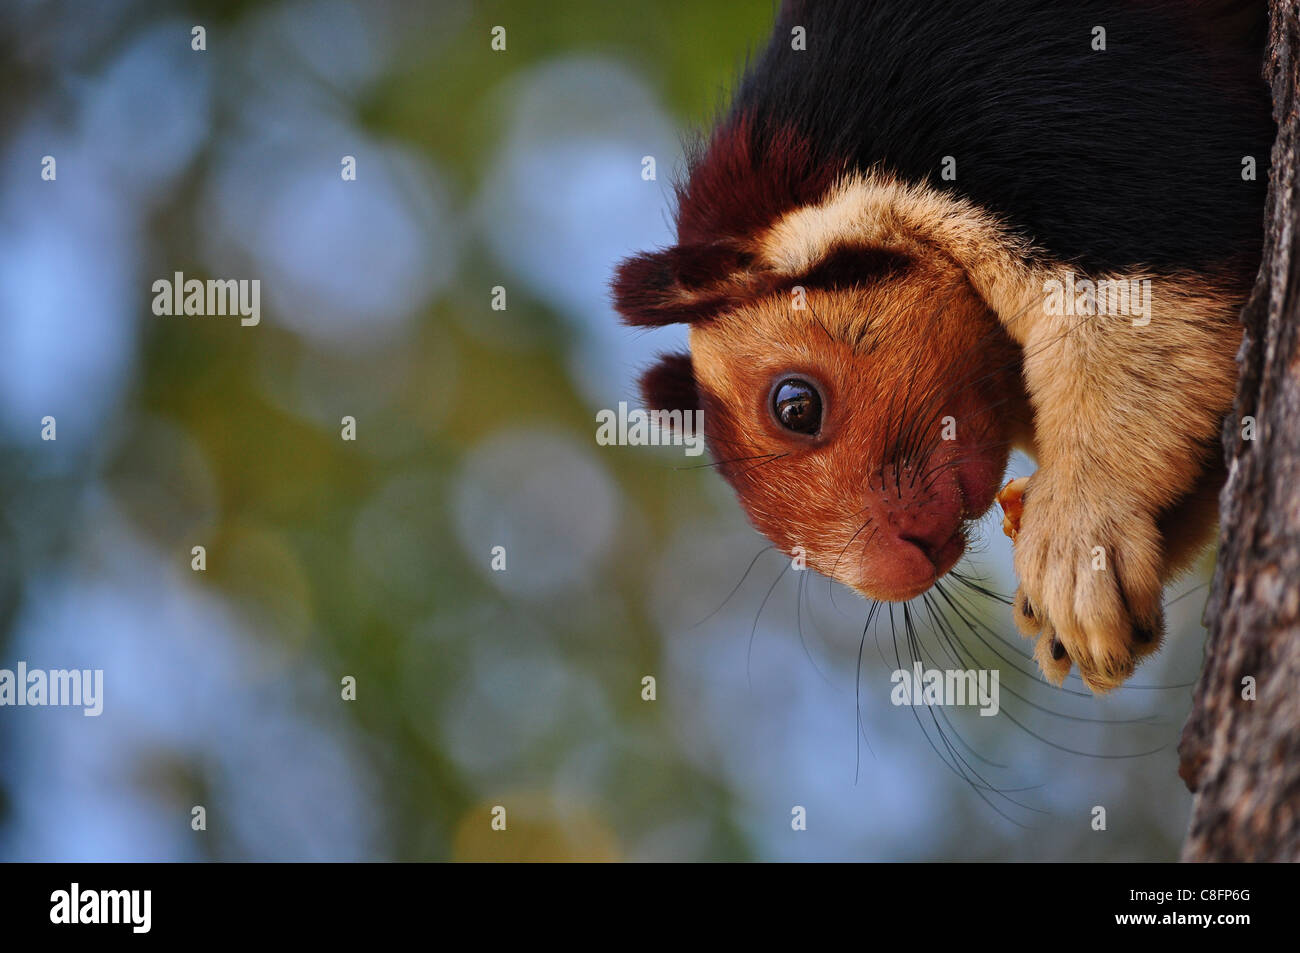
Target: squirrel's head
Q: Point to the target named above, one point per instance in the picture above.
(862, 400)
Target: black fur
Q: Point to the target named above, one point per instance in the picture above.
(845, 266)
(1131, 156)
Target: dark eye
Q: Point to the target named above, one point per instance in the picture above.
(797, 406)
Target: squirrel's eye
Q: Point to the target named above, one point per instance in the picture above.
(797, 406)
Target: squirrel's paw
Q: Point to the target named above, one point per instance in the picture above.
(1090, 589)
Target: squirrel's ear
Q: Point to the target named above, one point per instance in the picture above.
(670, 384)
(685, 284)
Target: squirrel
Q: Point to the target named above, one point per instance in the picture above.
(924, 234)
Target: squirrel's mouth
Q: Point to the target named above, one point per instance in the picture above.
(920, 527)
(904, 568)
(946, 556)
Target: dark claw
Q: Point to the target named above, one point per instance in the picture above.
(1027, 608)
(1058, 650)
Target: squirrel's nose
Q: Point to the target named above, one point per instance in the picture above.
(919, 539)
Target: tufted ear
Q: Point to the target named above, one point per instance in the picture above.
(682, 284)
(670, 384)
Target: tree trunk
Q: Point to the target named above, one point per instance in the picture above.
(1241, 757)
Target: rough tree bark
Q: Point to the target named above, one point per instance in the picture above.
(1242, 757)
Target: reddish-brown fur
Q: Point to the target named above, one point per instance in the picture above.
(878, 499)
(736, 189)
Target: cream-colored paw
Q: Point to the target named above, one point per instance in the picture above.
(1090, 589)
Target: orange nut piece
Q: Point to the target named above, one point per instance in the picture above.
(1012, 500)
